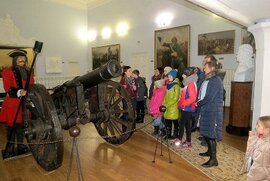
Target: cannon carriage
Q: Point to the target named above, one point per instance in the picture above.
(91, 98)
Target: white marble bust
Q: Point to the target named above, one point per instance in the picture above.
(245, 69)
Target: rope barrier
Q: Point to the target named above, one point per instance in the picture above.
(83, 138)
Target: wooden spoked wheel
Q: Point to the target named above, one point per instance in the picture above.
(43, 131)
(118, 122)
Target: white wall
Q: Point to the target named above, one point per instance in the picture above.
(53, 24)
(57, 27)
(141, 14)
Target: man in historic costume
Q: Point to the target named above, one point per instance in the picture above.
(14, 81)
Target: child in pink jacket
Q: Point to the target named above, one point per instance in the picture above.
(257, 158)
(155, 102)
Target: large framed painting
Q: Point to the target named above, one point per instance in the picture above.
(172, 47)
(216, 43)
(101, 55)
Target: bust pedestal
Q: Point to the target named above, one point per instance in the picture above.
(240, 105)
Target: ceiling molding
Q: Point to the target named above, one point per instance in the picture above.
(81, 4)
(243, 12)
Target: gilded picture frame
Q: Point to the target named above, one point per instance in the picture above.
(101, 55)
(216, 43)
(172, 47)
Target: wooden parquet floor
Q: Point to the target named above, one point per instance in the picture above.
(131, 161)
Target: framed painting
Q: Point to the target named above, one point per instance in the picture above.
(172, 47)
(216, 43)
(101, 55)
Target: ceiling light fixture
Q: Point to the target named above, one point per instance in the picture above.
(122, 29)
(106, 33)
(92, 34)
(164, 19)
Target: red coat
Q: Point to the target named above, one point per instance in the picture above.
(12, 82)
(129, 88)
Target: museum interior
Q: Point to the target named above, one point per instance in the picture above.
(76, 50)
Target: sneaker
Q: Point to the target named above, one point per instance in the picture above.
(177, 142)
(186, 145)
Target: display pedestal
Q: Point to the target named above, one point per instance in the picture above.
(240, 105)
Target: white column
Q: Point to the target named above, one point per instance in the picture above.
(261, 32)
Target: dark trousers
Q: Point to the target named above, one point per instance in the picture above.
(169, 122)
(125, 116)
(140, 110)
(168, 126)
(185, 122)
(125, 108)
(13, 134)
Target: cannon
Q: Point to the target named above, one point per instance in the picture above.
(90, 98)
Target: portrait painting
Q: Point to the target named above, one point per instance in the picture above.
(216, 43)
(6, 61)
(172, 48)
(101, 55)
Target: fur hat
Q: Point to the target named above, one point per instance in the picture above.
(173, 73)
(17, 52)
(159, 83)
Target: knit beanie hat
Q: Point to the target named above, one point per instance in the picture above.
(173, 73)
(167, 69)
(189, 71)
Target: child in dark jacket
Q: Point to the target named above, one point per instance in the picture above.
(140, 94)
(187, 105)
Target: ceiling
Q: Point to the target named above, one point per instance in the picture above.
(243, 12)
(84, 4)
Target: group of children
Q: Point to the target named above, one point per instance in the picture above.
(179, 113)
(167, 93)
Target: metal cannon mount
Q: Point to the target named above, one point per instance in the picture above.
(92, 97)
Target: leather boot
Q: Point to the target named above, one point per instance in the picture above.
(168, 134)
(213, 152)
(9, 151)
(175, 134)
(22, 149)
(156, 130)
(205, 154)
(162, 133)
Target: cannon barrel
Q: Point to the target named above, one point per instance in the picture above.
(107, 71)
(84, 99)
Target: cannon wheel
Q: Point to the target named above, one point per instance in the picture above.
(43, 131)
(114, 129)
